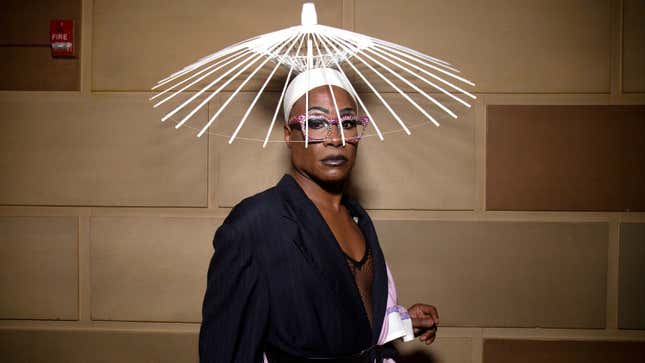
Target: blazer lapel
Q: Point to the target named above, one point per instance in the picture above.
(318, 244)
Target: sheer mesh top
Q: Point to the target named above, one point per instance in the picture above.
(362, 271)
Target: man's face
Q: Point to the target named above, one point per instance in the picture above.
(328, 161)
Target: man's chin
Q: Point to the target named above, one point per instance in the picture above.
(333, 176)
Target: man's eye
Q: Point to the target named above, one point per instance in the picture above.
(349, 124)
(316, 123)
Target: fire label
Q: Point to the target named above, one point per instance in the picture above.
(61, 37)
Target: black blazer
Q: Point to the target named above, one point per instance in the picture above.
(278, 281)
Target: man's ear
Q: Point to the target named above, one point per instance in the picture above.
(287, 136)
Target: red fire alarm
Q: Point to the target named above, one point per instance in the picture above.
(61, 37)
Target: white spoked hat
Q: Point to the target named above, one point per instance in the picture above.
(318, 55)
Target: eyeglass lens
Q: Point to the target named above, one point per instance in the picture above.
(320, 127)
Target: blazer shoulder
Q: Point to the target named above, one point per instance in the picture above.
(260, 208)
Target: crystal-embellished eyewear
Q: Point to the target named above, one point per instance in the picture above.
(320, 126)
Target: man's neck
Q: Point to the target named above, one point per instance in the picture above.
(323, 196)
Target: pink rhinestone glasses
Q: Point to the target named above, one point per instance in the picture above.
(320, 126)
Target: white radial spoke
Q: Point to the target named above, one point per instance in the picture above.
(309, 63)
(248, 55)
(230, 98)
(221, 87)
(412, 52)
(352, 35)
(221, 53)
(404, 80)
(193, 67)
(396, 88)
(421, 61)
(333, 98)
(253, 58)
(170, 88)
(408, 53)
(217, 91)
(284, 89)
(348, 83)
(382, 54)
(385, 103)
(255, 100)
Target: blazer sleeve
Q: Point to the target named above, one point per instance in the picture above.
(235, 308)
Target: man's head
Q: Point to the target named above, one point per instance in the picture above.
(325, 159)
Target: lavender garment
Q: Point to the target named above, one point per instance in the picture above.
(391, 304)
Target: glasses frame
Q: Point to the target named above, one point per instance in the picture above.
(331, 121)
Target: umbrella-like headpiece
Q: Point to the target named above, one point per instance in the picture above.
(305, 47)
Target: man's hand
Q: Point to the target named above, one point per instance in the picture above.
(424, 321)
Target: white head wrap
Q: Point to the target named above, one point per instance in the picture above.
(317, 77)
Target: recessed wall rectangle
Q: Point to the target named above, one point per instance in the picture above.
(96, 345)
(442, 350)
(503, 46)
(26, 23)
(562, 351)
(150, 268)
(633, 50)
(39, 268)
(501, 274)
(163, 39)
(565, 158)
(25, 55)
(34, 69)
(631, 276)
(108, 149)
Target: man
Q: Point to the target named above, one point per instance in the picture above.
(298, 274)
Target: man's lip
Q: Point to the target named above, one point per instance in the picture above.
(335, 158)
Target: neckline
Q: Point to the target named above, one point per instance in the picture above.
(358, 264)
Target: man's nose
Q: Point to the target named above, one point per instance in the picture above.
(334, 138)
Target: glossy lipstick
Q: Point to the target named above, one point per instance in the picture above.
(334, 160)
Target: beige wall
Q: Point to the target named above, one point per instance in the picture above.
(107, 215)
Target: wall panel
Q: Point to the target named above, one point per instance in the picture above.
(97, 150)
(501, 45)
(27, 22)
(566, 351)
(150, 268)
(86, 346)
(34, 69)
(631, 285)
(38, 268)
(25, 56)
(135, 45)
(244, 168)
(442, 350)
(565, 158)
(633, 50)
(501, 274)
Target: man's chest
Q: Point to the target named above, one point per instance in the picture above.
(347, 234)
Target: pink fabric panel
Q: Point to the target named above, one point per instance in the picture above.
(391, 301)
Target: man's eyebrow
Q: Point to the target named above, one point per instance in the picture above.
(319, 109)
